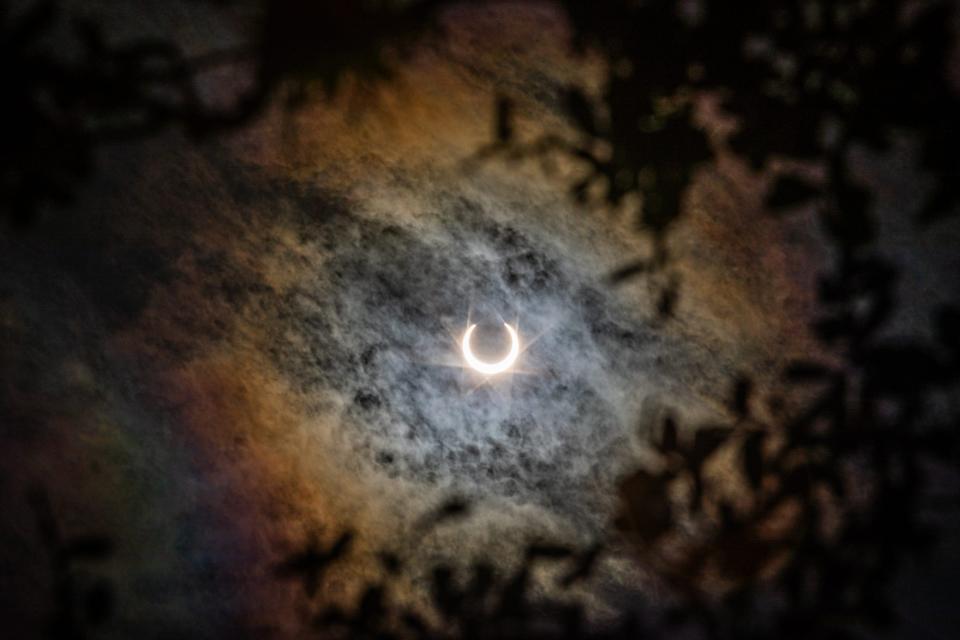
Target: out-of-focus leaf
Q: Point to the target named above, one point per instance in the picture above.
(629, 271)
(807, 371)
(646, 510)
(790, 191)
(740, 402)
(849, 222)
(580, 110)
(943, 203)
(415, 623)
(668, 436)
(707, 440)
(753, 458)
(99, 603)
(372, 606)
(948, 326)
(38, 19)
(482, 581)
(549, 551)
(667, 302)
(504, 119)
(310, 564)
(583, 567)
(391, 562)
(88, 548)
(450, 510)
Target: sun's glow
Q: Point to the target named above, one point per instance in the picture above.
(491, 368)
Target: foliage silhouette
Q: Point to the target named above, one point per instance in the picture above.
(64, 106)
(78, 608)
(309, 564)
(802, 554)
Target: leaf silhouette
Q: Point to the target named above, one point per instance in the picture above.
(310, 564)
(941, 204)
(629, 271)
(99, 603)
(790, 191)
(806, 371)
(548, 551)
(583, 567)
(646, 509)
(88, 548)
(667, 302)
(580, 110)
(741, 397)
(668, 435)
(452, 509)
(948, 327)
(707, 440)
(753, 458)
(504, 120)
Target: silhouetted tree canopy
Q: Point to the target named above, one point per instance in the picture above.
(807, 81)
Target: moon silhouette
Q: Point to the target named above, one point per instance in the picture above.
(491, 368)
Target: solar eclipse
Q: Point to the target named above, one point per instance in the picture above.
(491, 368)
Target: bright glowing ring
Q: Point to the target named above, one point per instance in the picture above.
(491, 368)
